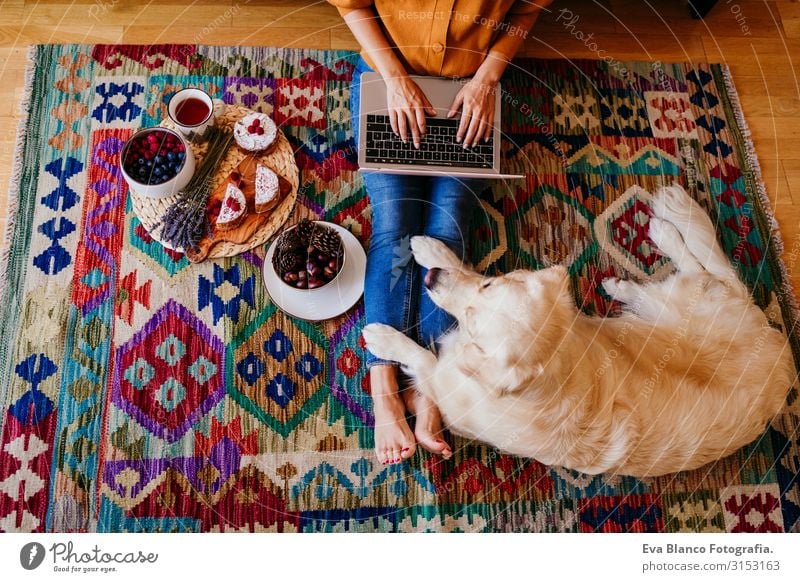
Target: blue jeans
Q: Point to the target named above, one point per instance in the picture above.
(402, 207)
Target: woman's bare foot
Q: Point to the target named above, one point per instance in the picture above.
(394, 440)
(428, 425)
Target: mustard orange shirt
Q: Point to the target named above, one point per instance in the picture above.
(449, 38)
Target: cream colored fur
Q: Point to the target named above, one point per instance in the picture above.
(689, 373)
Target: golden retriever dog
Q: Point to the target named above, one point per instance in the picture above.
(690, 372)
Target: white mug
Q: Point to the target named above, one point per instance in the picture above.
(191, 122)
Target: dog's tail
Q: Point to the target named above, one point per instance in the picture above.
(673, 204)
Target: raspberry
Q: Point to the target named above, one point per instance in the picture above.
(233, 204)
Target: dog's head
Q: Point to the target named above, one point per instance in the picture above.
(510, 325)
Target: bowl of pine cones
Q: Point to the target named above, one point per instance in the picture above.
(308, 255)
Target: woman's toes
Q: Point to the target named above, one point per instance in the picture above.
(428, 428)
(433, 444)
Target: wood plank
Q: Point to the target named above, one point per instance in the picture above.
(734, 19)
(776, 137)
(754, 56)
(239, 35)
(791, 169)
(131, 13)
(622, 47)
(788, 217)
(790, 16)
(38, 34)
(767, 85)
(292, 14)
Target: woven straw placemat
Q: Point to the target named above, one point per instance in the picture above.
(279, 157)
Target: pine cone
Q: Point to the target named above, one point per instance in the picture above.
(289, 241)
(305, 228)
(285, 262)
(326, 240)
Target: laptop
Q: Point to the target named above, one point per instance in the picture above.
(380, 150)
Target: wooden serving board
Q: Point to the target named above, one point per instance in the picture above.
(280, 157)
(253, 220)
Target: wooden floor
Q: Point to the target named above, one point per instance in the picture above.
(758, 39)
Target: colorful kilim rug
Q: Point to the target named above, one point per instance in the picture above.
(144, 393)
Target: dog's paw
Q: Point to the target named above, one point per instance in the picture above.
(619, 289)
(670, 202)
(612, 286)
(432, 253)
(665, 236)
(384, 341)
(657, 230)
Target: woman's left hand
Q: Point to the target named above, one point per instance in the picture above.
(476, 102)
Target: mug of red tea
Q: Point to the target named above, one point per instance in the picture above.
(192, 111)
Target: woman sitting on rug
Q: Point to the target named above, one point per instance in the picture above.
(461, 38)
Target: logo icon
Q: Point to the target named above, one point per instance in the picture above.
(31, 555)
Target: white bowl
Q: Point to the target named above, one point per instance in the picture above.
(327, 283)
(171, 186)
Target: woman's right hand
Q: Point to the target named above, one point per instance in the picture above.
(407, 106)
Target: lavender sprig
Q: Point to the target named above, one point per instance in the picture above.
(185, 222)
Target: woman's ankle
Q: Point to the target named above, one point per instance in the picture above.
(383, 381)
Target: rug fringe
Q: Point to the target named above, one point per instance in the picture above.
(775, 239)
(12, 203)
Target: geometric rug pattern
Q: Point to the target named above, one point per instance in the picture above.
(141, 392)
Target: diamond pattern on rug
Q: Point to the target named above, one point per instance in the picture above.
(146, 393)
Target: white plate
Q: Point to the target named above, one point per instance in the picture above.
(326, 302)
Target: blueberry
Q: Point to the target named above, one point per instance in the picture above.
(159, 159)
(141, 161)
(171, 156)
(157, 170)
(181, 155)
(149, 163)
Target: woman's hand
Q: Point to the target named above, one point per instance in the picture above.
(407, 108)
(476, 101)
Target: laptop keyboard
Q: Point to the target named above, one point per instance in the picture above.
(437, 148)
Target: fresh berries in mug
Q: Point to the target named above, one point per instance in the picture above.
(154, 157)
